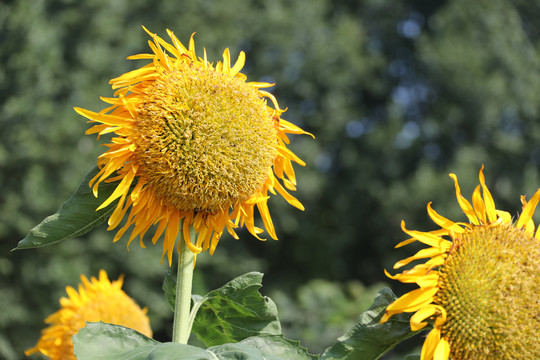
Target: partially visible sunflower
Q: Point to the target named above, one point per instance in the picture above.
(481, 284)
(195, 145)
(97, 300)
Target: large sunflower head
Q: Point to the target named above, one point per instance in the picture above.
(479, 285)
(97, 300)
(195, 145)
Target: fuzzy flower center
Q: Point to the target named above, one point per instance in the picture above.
(489, 286)
(206, 140)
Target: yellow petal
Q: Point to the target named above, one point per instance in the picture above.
(272, 98)
(187, 236)
(478, 205)
(290, 199)
(170, 236)
(161, 227)
(488, 199)
(411, 275)
(412, 301)
(440, 233)
(505, 216)
(427, 238)
(442, 351)
(181, 48)
(417, 320)
(422, 254)
(267, 220)
(118, 213)
(260, 84)
(163, 60)
(429, 280)
(239, 63)
(226, 61)
(288, 154)
(528, 211)
(140, 57)
(192, 44)
(432, 340)
(103, 118)
(464, 204)
(121, 189)
(442, 221)
(290, 128)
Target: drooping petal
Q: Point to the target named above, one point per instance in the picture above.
(121, 189)
(442, 351)
(430, 344)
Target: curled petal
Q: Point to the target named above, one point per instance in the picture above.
(528, 210)
(417, 320)
(465, 205)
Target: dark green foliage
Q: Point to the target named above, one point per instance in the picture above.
(398, 94)
(412, 357)
(235, 312)
(100, 341)
(234, 308)
(111, 342)
(230, 313)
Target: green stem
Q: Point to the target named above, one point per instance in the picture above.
(184, 279)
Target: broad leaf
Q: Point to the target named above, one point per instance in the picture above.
(101, 341)
(76, 216)
(272, 347)
(268, 347)
(369, 340)
(175, 351)
(236, 311)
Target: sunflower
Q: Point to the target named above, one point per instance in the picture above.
(195, 146)
(480, 284)
(97, 300)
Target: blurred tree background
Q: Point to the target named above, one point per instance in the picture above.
(398, 94)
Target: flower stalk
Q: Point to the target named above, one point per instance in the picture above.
(184, 280)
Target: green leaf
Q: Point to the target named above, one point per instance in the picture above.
(412, 357)
(266, 347)
(369, 340)
(101, 341)
(76, 216)
(174, 351)
(235, 312)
